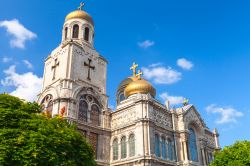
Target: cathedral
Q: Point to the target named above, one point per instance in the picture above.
(141, 131)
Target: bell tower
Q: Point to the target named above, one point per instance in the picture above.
(74, 81)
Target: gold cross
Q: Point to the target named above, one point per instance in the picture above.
(81, 6)
(139, 74)
(185, 101)
(133, 68)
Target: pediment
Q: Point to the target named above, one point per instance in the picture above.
(192, 117)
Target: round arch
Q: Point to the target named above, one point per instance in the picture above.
(88, 91)
(50, 90)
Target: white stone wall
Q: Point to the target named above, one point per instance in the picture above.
(61, 54)
(80, 72)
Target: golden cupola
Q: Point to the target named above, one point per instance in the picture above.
(80, 14)
(138, 85)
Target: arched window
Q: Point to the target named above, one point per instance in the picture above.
(115, 149)
(131, 142)
(86, 34)
(83, 110)
(123, 148)
(50, 107)
(157, 146)
(47, 105)
(192, 145)
(94, 115)
(75, 31)
(210, 157)
(163, 148)
(121, 97)
(65, 33)
(170, 150)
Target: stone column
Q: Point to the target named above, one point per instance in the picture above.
(184, 144)
(203, 156)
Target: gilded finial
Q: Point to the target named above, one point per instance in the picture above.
(133, 68)
(139, 74)
(81, 6)
(185, 101)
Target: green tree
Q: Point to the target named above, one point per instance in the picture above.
(29, 138)
(237, 154)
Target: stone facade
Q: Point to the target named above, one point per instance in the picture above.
(140, 131)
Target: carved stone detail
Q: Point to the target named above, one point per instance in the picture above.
(191, 116)
(160, 118)
(123, 118)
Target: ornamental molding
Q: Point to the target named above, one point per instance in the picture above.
(160, 118)
(123, 118)
(191, 116)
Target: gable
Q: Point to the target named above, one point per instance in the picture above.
(191, 116)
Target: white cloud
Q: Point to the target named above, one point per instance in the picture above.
(185, 64)
(27, 85)
(28, 64)
(18, 31)
(155, 64)
(161, 75)
(227, 114)
(146, 44)
(174, 100)
(6, 59)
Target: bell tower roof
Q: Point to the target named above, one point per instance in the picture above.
(80, 14)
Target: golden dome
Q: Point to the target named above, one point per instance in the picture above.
(124, 84)
(81, 15)
(139, 85)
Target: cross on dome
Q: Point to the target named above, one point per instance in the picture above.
(81, 6)
(133, 68)
(139, 74)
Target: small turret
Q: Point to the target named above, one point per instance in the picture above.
(78, 26)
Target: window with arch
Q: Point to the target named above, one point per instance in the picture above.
(121, 97)
(192, 145)
(115, 149)
(94, 115)
(210, 157)
(163, 148)
(47, 105)
(66, 33)
(50, 106)
(89, 109)
(170, 150)
(75, 33)
(123, 147)
(86, 34)
(131, 142)
(83, 110)
(157, 146)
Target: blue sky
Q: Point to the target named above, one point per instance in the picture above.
(200, 48)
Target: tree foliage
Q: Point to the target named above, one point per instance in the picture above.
(29, 138)
(236, 155)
